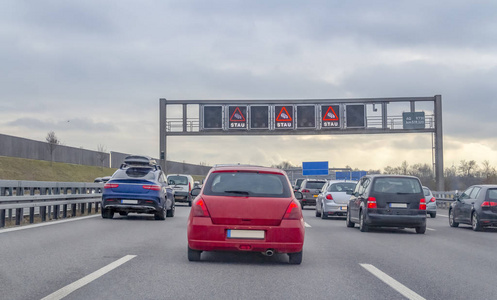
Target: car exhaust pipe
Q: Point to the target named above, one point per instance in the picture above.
(269, 252)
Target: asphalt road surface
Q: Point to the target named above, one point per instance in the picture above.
(137, 257)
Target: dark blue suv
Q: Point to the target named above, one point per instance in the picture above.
(139, 186)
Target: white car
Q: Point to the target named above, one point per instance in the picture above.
(182, 185)
(333, 199)
(431, 202)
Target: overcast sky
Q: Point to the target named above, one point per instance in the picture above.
(93, 72)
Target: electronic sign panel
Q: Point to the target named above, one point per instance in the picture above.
(237, 117)
(355, 116)
(283, 117)
(213, 117)
(330, 116)
(306, 116)
(259, 117)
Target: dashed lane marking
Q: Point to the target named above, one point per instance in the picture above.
(307, 225)
(63, 292)
(399, 287)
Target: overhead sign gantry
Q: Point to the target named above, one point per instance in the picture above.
(305, 117)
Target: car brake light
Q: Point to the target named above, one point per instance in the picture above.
(329, 197)
(372, 202)
(305, 191)
(422, 204)
(433, 199)
(189, 186)
(152, 187)
(293, 212)
(111, 185)
(199, 209)
(488, 204)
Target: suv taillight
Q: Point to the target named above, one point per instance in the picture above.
(152, 187)
(111, 185)
(422, 204)
(488, 204)
(305, 191)
(293, 212)
(329, 197)
(199, 209)
(372, 202)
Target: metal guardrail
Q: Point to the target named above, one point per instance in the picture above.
(444, 199)
(46, 199)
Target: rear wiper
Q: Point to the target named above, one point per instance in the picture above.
(401, 193)
(237, 192)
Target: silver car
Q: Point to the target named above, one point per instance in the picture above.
(333, 199)
(431, 202)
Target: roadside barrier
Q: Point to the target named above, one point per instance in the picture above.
(45, 199)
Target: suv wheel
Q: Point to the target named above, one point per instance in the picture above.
(295, 258)
(170, 212)
(161, 215)
(363, 227)
(107, 213)
(194, 255)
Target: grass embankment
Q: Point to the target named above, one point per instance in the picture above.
(13, 168)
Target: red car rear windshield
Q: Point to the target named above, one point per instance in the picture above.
(245, 184)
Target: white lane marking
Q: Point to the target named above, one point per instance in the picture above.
(63, 292)
(442, 215)
(47, 223)
(399, 287)
(307, 225)
(431, 229)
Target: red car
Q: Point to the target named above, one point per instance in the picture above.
(246, 208)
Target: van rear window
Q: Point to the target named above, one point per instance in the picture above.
(396, 185)
(177, 180)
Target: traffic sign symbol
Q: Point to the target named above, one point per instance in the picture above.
(284, 116)
(237, 116)
(330, 115)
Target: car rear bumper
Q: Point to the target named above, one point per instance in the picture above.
(335, 209)
(374, 219)
(141, 207)
(288, 237)
(181, 196)
(488, 218)
(308, 201)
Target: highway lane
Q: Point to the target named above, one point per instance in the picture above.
(339, 263)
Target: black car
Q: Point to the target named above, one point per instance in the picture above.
(387, 201)
(476, 206)
(310, 190)
(139, 186)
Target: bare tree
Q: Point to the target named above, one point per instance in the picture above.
(284, 165)
(468, 167)
(102, 155)
(53, 142)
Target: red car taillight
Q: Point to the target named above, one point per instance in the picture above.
(306, 191)
(189, 187)
(152, 187)
(111, 185)
(433, 199)
(329, 197)
(372, 202)
(292, 212)
(422, 204)
(199, 209)
(488, 204)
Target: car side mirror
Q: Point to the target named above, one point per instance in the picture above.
(195, 192)
(298, 195)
